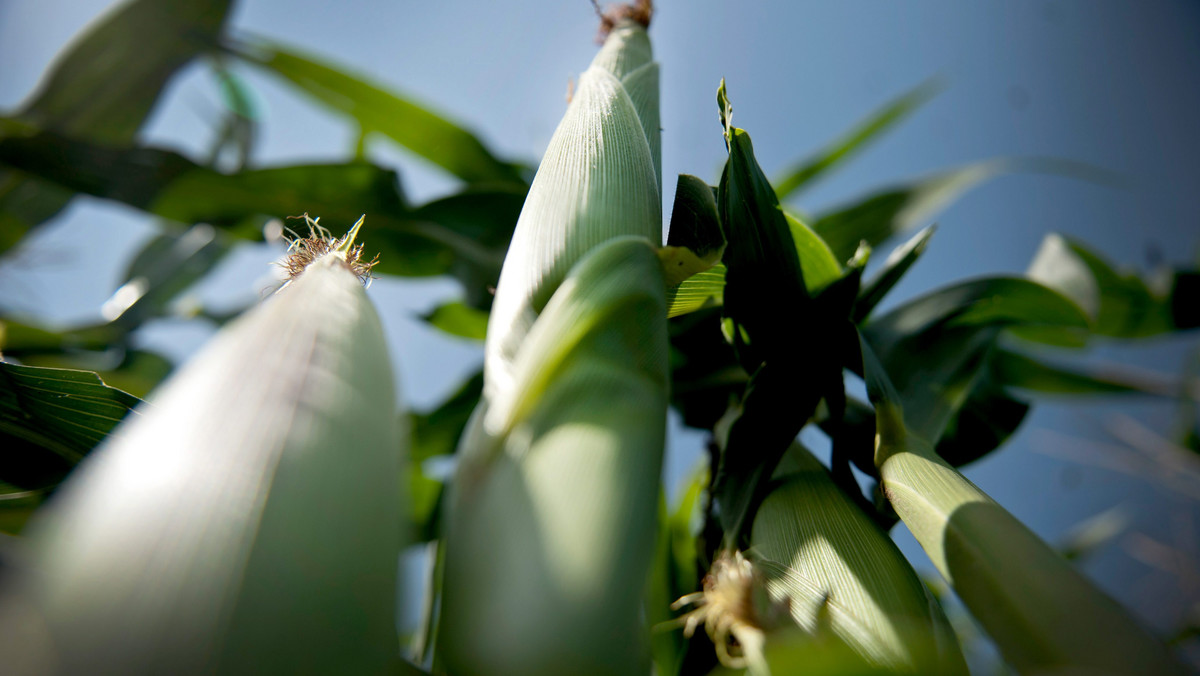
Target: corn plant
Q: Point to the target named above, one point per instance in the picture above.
(248, 515)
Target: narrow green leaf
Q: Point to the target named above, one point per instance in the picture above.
(425, 133)
(247, 522)
(169, 185)
(1027, 372)
(166, 266)
(818, 265)
(897, 263)
(883, 215)
(856, 139)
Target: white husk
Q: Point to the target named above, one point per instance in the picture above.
(247, 520)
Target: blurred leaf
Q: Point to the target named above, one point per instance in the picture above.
(986, 418)
(1090, 535)
(1027, 372)
(425, 133)
(1121, 305)
(436, 432)
(934, 347)
(21, 339)
(104, 86)
(169, 185)
(458, 319)
(857, 138)
(896, 265)
(167, 265)
(886, 214)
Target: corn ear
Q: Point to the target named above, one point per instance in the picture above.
(552, 523)
(832, 565)
(598, 180)
(1042, 613)
(245, 521)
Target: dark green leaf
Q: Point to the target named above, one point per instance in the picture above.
(105, 86)
(458, 319)
(169, 185)
(897, 263)
(63, 411)
(934, 347)
(856, 139)
(377, 110)
(695, 223)
(436, 432)
(166, 266)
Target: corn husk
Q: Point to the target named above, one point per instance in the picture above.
(834, 568)
(246, 521)
(598, 180)
(553, 517)
(1043, 614)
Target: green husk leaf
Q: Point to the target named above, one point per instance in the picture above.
(857, 138)
(210, 533)
(1042, 613)
(552, 525)
(825, 558)
(425, 133)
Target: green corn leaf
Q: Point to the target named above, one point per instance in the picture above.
(1121, 305)
(411, 242)
(247, 522)
(104, 87)
(1027, 372)
(818, 265)
(701, 290)
(552, 521)
(425, 133)
(824, 557)
(857, 138)
(50, 418)
(883, 215)
(934, 347)
(897, 263)
(165, 267)
(1042, 613)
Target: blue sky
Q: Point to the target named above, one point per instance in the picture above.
(1109, 84)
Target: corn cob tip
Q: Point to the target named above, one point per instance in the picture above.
(304, 251)
(638, 12)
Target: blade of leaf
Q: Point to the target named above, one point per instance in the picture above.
(425, 133)
(856, 139)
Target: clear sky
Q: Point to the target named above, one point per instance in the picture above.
(1107, 83)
